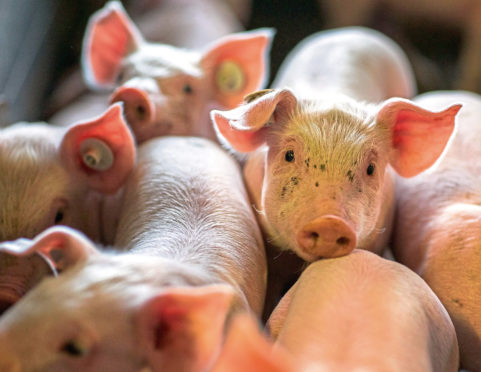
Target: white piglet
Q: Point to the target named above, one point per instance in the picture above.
(169, 90)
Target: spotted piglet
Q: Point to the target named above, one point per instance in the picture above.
(322, 151)
(166, 89)
(437, 226)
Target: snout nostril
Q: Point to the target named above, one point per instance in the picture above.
(343, 241)
(140, 111)
(314, 235)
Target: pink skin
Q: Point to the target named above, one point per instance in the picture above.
(165, 89)
(437, 224)
(183, 223)
(363, 312)
(320, 163)
(43, 165)
(463, 15)
(246, 348)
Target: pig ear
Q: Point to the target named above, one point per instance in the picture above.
(245, 127)
(184, 324)
(238, 64)
(419, 136)
(61, 246)
(101, 151)
(247, 349)
(110, 36)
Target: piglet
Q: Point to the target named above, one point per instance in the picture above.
(166, 89)
(112, 313)
(185, 222)
(322, 150)
(363, 312)
(437, 224)
(51, 175)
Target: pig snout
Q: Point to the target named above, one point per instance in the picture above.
(326, 237)
(138, 107)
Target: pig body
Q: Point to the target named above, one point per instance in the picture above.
(464, 15)
(320, 162)
(184, 224)
(437, 224)
(355, 61)
(362, 312)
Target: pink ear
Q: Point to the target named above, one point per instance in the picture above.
(419, 136)
(238, 64)
(102, 150)
(110, 36)
(61, 246)
(246, 126)
(182, 328)
(246, 349)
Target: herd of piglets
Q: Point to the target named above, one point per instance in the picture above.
(199, 222)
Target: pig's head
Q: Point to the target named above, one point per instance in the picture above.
(49, 175)
(168, 90)
(111, 313)
(325, 162)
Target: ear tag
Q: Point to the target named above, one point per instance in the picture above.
(96, 154)
(230, 77)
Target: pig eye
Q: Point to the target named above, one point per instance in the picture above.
(370, 169)
(289, 156)
(74, 348)
(187, 89)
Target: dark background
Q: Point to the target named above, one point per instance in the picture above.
(40, 45)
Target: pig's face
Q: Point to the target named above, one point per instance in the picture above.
(325, 170)
(71, 323)
(165, 89)
(115, 314)
(36, 191)
(324, 175)
(50, 175)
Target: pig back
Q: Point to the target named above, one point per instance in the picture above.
(186, 201)
(357, 61)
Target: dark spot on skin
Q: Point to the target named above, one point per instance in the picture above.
(315, 166)
(333, 196)
(307, 162)
(317, 184)
(283, 213)
(350, 175)
(295, 180)
(283, 193)
(359, 189)
(457, 302)
(323, 167)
